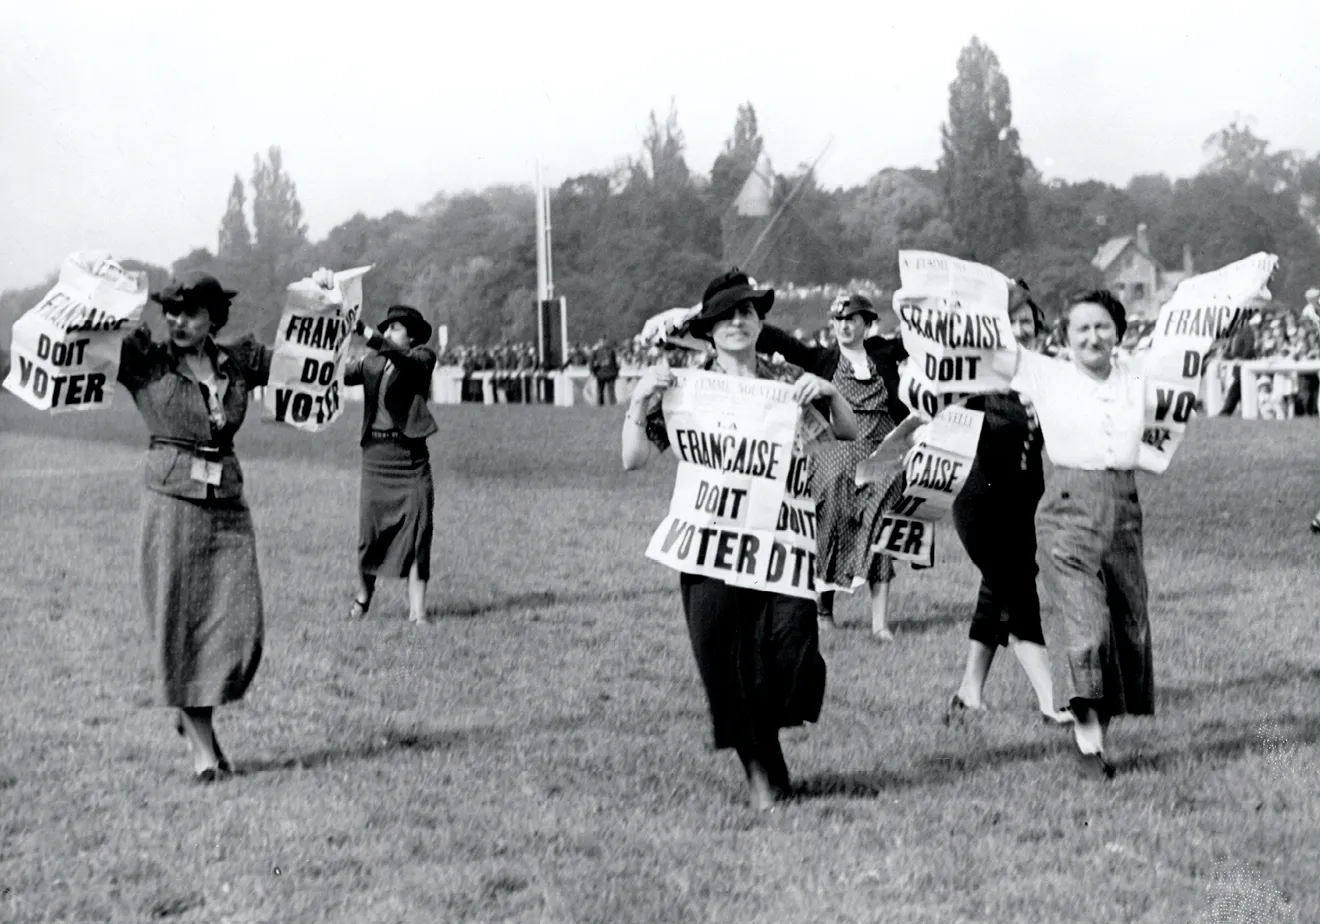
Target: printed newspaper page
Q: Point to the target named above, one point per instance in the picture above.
(306, 386)
(740, 510)
(64, 352)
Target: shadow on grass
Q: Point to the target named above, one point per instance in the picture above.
(538, 599)
(1220, 742)
(1257, 683)
(390, 743)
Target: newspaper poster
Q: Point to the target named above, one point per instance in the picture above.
(64, 352)
(306, 385)
(740, 511)
(935, 467)
(1204, 309)
(953, 317)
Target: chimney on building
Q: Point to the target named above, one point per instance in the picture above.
(1188, 267)
(1143, 243)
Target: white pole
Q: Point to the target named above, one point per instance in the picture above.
(542, 255)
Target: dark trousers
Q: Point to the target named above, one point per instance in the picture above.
(997, 527)
(759, 658)
(1234, 393)
(1096, 578)
(605, 392)
(1308, 391)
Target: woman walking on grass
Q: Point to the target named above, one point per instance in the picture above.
(1091, 409)
(995, 516)
(848, 518)
(757, 653)
(397, 498)
(200, 584)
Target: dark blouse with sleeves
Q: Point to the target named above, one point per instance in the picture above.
(173, 404)
(1008, 457)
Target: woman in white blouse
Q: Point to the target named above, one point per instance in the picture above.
(1091, 409)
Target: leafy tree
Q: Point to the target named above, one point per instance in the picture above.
(735, 162)
(982, 167)
(235, 237)
(1236, 151)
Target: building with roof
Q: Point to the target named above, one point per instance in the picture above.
(1132, 272)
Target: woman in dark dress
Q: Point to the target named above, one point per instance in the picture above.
(200, 584)
(397, 498)
(848, 518)
(995, 516)
(758, 653)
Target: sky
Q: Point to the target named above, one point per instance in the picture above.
(122, 124)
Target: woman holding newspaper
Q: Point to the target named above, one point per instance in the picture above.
(397, 495)
(200, 583)
(865, 370)
(757, 653)
(995, 516)
(1091, 409)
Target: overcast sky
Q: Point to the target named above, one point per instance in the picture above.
(122, 124)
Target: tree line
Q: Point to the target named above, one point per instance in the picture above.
(649, 232)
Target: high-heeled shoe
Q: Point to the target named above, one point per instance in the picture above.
(1058, 719)
(959, 710)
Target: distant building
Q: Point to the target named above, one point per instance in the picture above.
(747, 218)
(1132, 273)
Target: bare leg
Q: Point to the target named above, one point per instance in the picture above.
(416, 596)
(197, 728)
(1089, 732)
(362, 599)
(1035, 661)
(880, 612)
(979, 658)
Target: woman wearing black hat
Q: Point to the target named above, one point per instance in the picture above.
(757, 653)
(1092, 412)
(200, 583)
(995, 516)
(397, 495)
(848, 518)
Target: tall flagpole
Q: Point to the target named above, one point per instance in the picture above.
(542, 232)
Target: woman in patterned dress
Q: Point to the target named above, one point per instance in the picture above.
(995, 516)
(848, 518)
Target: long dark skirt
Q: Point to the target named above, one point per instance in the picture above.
(759, 659)
(202, 596)
(397, 503)
(1095, 575)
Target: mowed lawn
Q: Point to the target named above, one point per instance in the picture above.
(541, 753)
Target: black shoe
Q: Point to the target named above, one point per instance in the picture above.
(959, 710)
(1095, 766)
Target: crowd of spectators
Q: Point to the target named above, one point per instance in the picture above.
(1281, 333)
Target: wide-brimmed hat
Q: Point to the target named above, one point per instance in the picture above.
(847, 304)
(419, 329)
(193, 290)
(726, 293)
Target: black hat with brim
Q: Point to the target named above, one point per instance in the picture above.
(725, 294)
(195, 290)
(846, 306)
(419, 329)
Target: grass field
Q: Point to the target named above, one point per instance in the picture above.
(541, 753)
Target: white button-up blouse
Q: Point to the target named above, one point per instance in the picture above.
(1087, 424)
